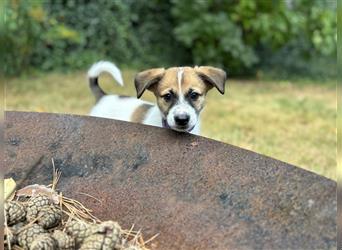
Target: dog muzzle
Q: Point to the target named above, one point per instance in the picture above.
(166, 125)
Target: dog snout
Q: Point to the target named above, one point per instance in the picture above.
(182, 119)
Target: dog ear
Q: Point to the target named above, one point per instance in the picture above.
(147, 78)
(213, 76)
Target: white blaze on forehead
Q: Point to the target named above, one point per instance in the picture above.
(181, 107)
(180, 78)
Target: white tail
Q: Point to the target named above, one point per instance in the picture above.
(94, 72)
(104, 66)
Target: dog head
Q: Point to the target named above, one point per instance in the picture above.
(180, 92)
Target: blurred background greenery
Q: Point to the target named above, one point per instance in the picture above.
(249, 38)
(280, 54)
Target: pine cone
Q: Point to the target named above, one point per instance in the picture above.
(64, 241)
(15, 212)
(79, 230)
(93, 242)
(43, 242)
(35, 204)
(112, 232)
(49, 216)
(26, 236)
(11, 234)
(104, 236)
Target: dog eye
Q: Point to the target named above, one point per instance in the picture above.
(194, 96)
(167, 97)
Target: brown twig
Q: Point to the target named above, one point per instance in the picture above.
(91, 197)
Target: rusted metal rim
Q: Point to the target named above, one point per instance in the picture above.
(197, 193)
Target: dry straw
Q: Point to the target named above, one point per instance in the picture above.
(72, 209)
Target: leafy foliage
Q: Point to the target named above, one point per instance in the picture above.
(243, 35)
(21, 32)
(246, 37)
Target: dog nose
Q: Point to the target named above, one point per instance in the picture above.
(182, 119)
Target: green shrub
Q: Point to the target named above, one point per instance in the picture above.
(244, 37)
(33, 38)
(104, 27)
(153, 24)
(20, 34)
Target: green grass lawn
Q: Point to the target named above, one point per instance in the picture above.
(291, 122)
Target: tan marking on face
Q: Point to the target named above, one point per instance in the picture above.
(140, 113)
(192, 81)
(180, 81)
(167, 84)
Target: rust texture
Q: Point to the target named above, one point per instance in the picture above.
(196, 192)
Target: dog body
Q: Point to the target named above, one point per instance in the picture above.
(180, 94)
(127, 109)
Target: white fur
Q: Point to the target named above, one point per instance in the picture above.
(182, 107)
(104, 66)
(114, 107)
(180, 73)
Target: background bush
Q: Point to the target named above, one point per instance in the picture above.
(245, 37)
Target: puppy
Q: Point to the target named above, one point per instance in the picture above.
(180, 94)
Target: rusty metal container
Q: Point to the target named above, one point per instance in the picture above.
(196, 192)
